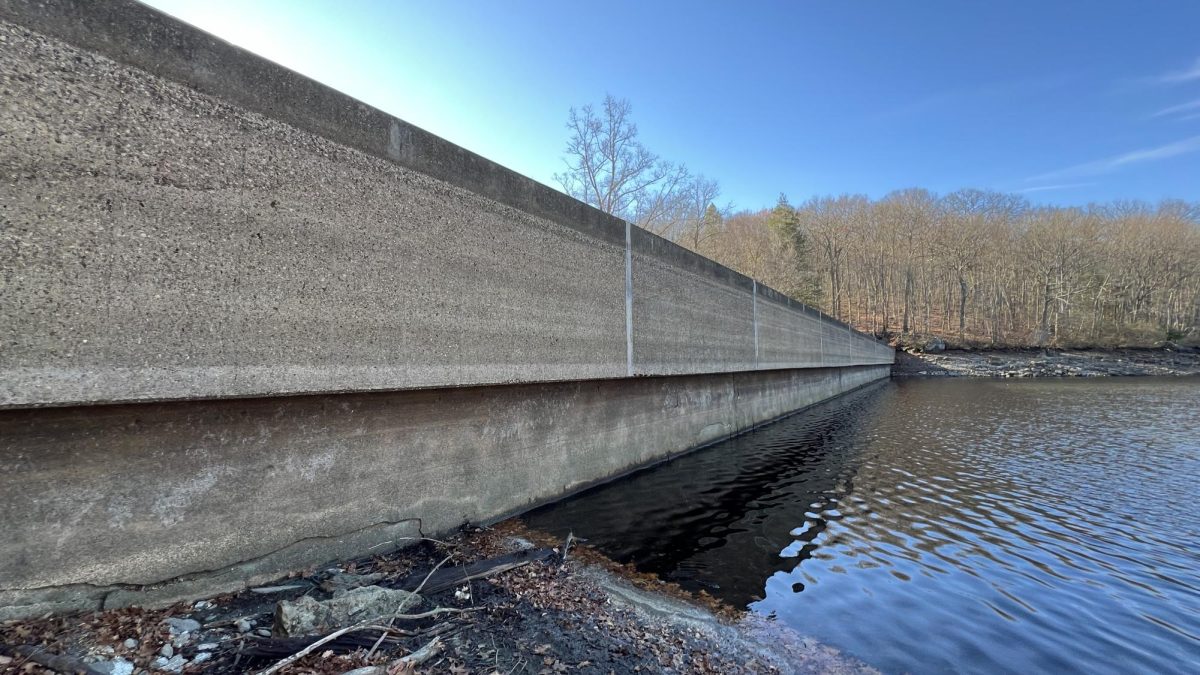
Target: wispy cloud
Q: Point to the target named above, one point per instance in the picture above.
(973, 97)
(1047, 188)
(1182, 107)
(1101, 166)
(1177, 76)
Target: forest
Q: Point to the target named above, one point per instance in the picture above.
(973, 267)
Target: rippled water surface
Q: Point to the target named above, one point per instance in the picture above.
(942, 525)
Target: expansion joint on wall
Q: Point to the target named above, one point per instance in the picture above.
(628, 300)
(754, 316)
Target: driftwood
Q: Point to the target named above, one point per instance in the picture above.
(276, 648)
(443, 579)
(420, 656)
(365, 625)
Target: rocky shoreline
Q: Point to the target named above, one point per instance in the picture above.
(1048, 363)
(515, 606)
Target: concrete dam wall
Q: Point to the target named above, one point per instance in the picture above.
(249, 324)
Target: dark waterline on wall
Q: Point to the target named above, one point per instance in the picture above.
(942, 526)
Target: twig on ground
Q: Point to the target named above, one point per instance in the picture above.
(421, 586)
(567, 545)
(404, 602)
(362, 625)
(392, 541)
(406, 664)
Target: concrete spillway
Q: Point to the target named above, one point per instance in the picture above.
(249, 324)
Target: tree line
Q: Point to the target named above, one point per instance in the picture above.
(974, 267)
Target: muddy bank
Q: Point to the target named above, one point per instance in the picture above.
(1048, 363)
(525, 610)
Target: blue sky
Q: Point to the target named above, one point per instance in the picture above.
(1066, 102)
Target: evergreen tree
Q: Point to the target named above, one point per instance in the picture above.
(784, 222)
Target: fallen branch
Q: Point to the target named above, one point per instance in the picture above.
(406, 664)
(362, 625)
(404, 603)
(440, 580)
(567, 546)
(424, 581)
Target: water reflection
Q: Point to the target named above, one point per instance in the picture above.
(942, 525)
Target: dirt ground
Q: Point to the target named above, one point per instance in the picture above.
(544, 615)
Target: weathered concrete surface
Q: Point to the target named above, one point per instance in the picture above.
(790, 335)
(163, 244)
(688, 312)
(186, 220)
(197, 497)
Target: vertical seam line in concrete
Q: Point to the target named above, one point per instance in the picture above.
(820, 339)
(628, 301)
(849, 345)
(754, 316)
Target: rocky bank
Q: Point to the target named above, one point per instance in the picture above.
(1048, 363)
(515, 606)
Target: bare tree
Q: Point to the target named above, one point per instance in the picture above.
(975, 265)
(609, 168)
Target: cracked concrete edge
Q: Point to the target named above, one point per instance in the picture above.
(377, 538)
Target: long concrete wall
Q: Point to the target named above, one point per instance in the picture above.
(184, 224)
(168, 239)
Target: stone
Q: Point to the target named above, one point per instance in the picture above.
(342, 581)
(366, 670)
(201, 657)
(167, 650)
(115, 667)
(131, 643)
(174, 664)
(207, 646)
(306, 616)
(243, 626)
(521, 544)
(178, 626)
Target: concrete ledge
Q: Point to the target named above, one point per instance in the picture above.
(152, 503)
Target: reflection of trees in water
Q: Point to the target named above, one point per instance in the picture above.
(707, 518)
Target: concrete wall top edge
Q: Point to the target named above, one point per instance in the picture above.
(648, 243)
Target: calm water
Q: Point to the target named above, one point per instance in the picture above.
(942, 525)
